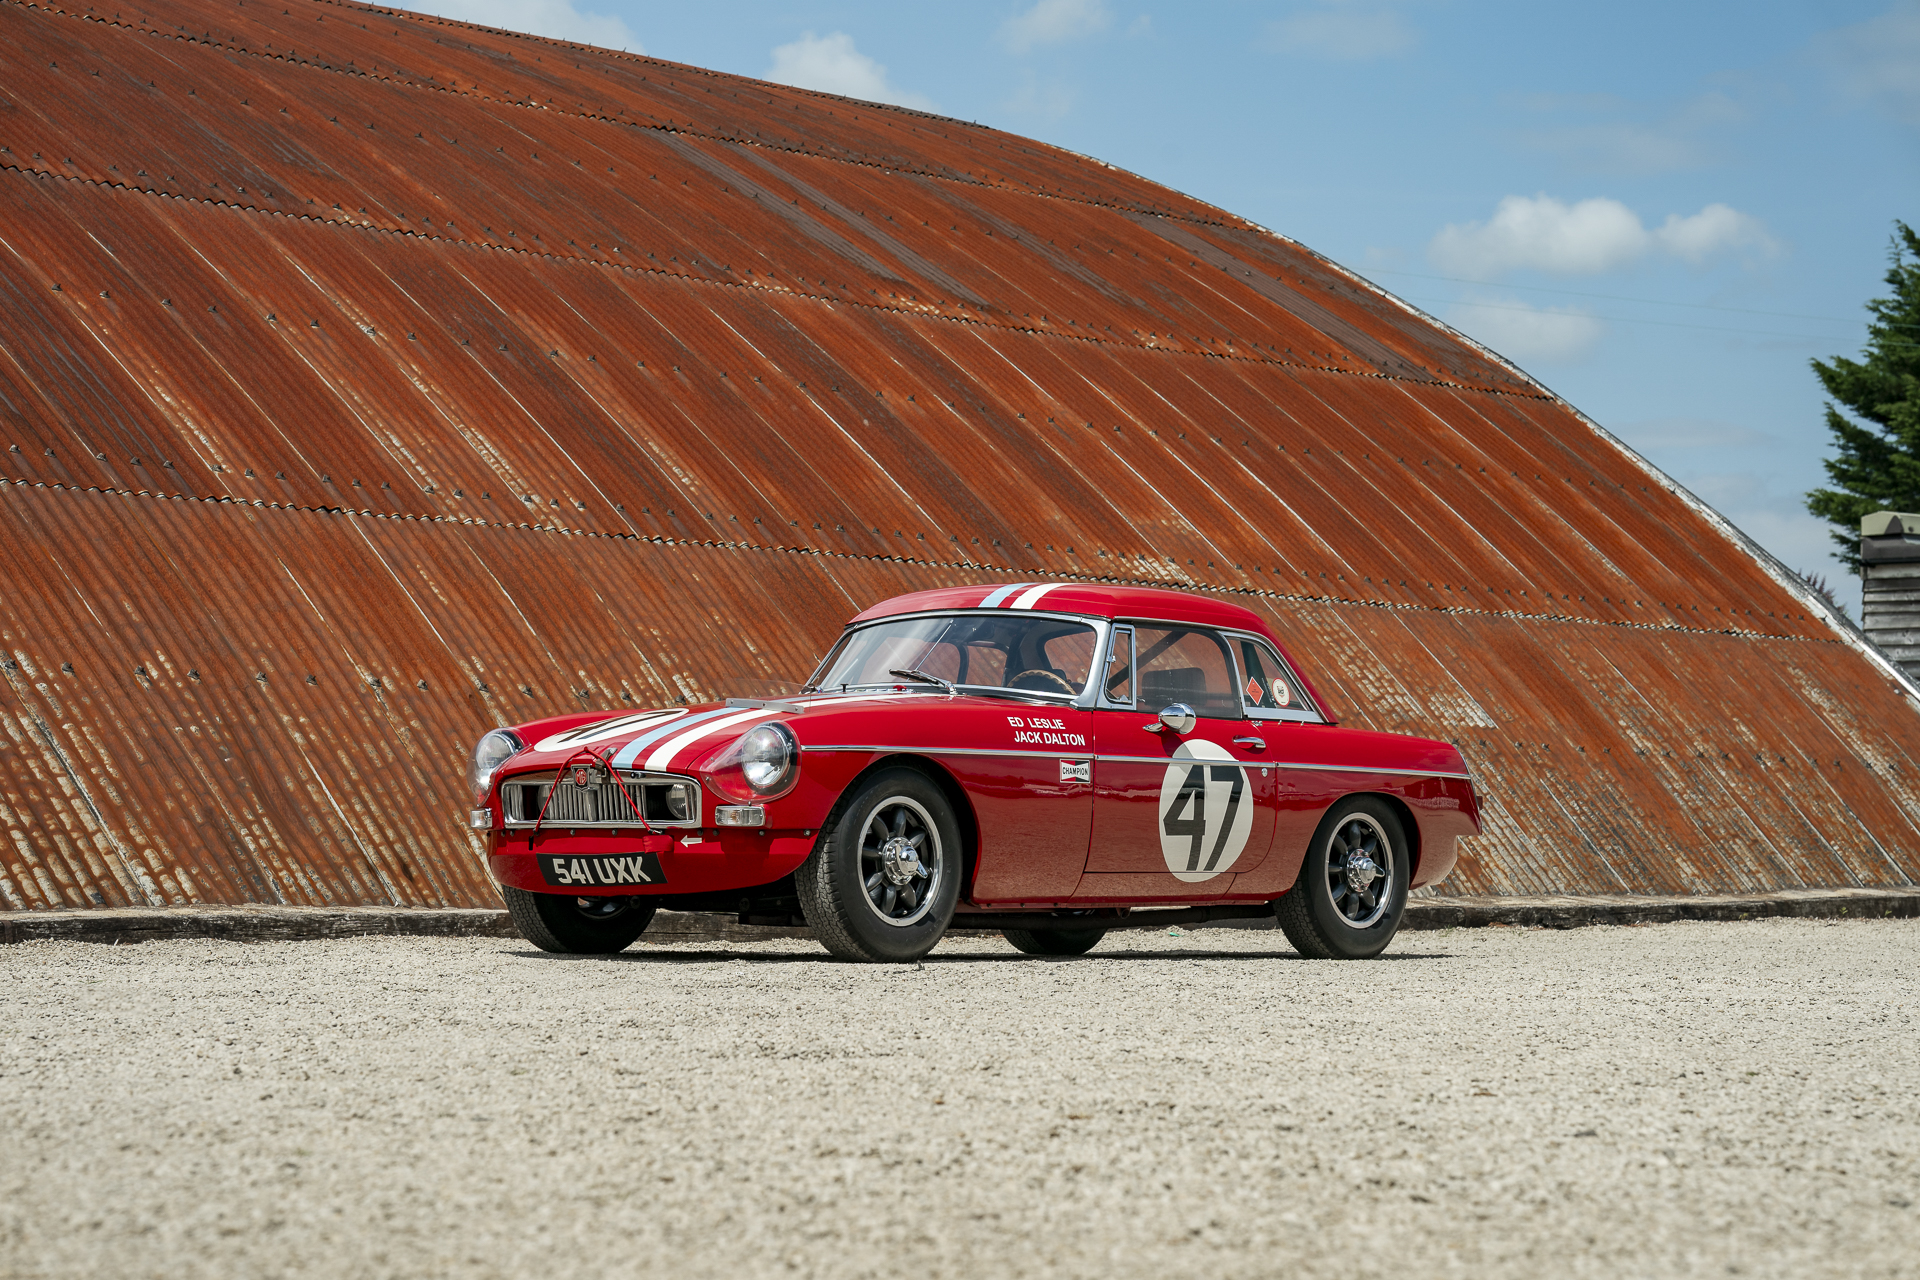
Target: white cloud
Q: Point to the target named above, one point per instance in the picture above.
(1878, 61)
(1046, 99)
(832, 65)
(1342, 32)
(1055, 22)
(1523, 332)
(1587, 238)
(1712, 230)
(1683, 137)
(556, 18)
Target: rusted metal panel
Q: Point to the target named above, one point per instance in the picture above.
(368, 379)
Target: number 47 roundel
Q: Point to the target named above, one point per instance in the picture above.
(1206, 811)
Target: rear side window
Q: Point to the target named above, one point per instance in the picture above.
(1185, 664)
(1268, 688)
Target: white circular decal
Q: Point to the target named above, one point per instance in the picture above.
(1206, 811)
(602, 730)
(1281, 694)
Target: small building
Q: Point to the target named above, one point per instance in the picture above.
(1890, 586)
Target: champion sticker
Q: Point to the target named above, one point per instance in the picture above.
(1206, 812)
(1282, 696)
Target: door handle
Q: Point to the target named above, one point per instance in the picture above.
(1251, 744)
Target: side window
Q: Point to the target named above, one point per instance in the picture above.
(1117, 686)
(1184, 664)
(1072, 654)
(1270, 688)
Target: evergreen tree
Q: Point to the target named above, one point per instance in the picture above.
(1876, 466)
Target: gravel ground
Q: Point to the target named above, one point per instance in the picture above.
(1683, 1099)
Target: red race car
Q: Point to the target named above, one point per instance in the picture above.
(1051, 760)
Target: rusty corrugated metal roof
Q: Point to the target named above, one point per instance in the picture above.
(368, 378)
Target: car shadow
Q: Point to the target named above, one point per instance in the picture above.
(662, 953)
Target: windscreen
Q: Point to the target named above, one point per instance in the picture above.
(1048, 656)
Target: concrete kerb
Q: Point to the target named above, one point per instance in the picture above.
(115, 926)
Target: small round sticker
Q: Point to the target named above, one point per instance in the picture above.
(1282, 696)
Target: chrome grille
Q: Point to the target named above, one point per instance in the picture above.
(667, 801)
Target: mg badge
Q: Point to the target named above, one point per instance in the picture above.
(583, 775)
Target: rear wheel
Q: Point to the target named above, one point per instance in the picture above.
(1054, 942)
(577, 926)
(1352, 889)
(882, 883)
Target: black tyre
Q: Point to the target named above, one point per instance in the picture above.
(577, 926)
(882, 883)
(1352, 889)
(1053, 942)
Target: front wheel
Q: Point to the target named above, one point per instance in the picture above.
(882, 883)
(577, 926)
(1352, 888)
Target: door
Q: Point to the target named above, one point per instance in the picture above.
(1175, 815)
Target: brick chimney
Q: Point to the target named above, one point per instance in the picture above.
(1890, 568)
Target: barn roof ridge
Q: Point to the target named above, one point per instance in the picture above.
(627, 55)
(736, 544)
(964, 179)
(1529, 392)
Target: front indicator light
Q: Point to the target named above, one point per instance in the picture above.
(740, 815)
(480, 819)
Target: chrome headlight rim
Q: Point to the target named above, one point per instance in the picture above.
(769, 756)
(495, 748)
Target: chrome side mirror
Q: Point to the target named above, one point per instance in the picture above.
(1179, 717)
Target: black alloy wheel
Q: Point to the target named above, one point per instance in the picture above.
(882, 882)
(1352, 889)
(566, 925)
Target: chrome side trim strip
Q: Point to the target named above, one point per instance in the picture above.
(963, 751)
(1297, 764)
(1082, 755)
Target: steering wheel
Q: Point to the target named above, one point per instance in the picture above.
(1040, 680)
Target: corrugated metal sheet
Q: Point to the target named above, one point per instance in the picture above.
(368, 378)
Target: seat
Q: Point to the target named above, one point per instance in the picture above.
(1173, 684)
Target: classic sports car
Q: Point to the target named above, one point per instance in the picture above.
(1051, 760)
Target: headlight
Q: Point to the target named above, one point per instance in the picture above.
(766, 757)
(760, 764)
(492, 751)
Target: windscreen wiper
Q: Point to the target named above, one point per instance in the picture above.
(914, 673)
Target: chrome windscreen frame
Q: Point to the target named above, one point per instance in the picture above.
(600, 805)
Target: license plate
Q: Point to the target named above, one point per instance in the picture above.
(601, 870)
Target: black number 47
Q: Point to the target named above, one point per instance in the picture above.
(1191, 800)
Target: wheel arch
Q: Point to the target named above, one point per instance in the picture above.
(941, 777)
(1409, 825)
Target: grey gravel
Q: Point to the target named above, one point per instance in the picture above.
(1686, 1099)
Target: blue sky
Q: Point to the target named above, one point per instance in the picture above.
(1660, 211)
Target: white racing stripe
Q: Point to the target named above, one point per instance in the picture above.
(1030, 598)
(662, 757)
(999, 594)
(604, 730)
